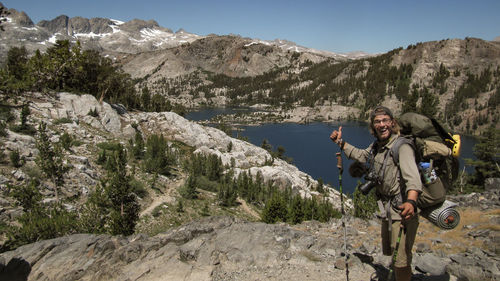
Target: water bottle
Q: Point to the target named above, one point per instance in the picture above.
(428, 174)
(433, 176)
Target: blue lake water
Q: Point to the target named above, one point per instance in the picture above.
(311, 148)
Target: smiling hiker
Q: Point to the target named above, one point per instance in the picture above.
(398, 187)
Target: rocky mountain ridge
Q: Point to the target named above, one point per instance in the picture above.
(182, 66)
(114, 37)
(461, 75)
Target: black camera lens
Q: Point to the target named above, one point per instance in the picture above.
(366, 187)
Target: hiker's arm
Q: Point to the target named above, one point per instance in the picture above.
(352, 152)
(411, 177)
(409, 169)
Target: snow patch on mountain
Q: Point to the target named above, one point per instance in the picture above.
(131, 37)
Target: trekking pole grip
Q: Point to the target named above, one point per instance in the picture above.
(339, 161)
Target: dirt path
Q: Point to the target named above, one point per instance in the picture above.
(166, 197)
(247, 209)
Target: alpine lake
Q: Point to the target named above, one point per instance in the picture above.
(310, 147)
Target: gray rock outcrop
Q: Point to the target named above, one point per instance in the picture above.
(217, 248)
(245, 156)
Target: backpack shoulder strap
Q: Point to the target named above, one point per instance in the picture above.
(394, 151)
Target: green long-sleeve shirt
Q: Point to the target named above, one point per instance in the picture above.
(390, 185)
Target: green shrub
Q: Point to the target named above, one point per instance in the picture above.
(188, 191)
(204, 183)
(138, 188)
(6, 114)
(64, 120)
(93, 112)
(113, 146)
(41, 224)
(205, 211)
(66, 141)
(3, 129)
(364, 205)
(15, 159)
(25, 129)
(39, 221)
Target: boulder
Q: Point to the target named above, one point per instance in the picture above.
(430, 264)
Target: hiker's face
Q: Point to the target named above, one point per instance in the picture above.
(383, 125)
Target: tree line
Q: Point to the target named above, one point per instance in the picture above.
(277, 204)
(67, 67)
(361, 83)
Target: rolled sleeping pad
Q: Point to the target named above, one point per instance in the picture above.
(443, 215)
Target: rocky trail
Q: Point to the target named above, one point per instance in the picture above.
(166, 196)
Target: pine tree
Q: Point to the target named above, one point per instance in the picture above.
(214, 167)
(275, 209)
(158, 157)
(17, 75)
(66, 141)
(39, 221)
(227, 194)
(266, 145)
(487, 153)
(25, 112)
(296, 210)
(146, 99)
(429, 103)
(15, 159)
(319, 187)
(94, 216)
(410, 104)
(189, 189)
(50, 159)
(124, 208)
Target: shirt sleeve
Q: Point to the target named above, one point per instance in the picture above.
(409, 169)
(352, 152)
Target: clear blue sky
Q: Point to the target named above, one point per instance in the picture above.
(373, 26)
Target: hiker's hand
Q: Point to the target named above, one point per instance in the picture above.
(407, 210)
(336, 136)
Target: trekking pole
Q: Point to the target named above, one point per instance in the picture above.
(395, 253)
(341, 169)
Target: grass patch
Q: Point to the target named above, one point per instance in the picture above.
(159, 210)
(64, 120)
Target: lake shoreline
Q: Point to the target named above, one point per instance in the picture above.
(258, 116)
(308, 144)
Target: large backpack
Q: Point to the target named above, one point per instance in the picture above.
(432, 144)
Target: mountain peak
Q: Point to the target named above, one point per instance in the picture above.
(21, 18)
